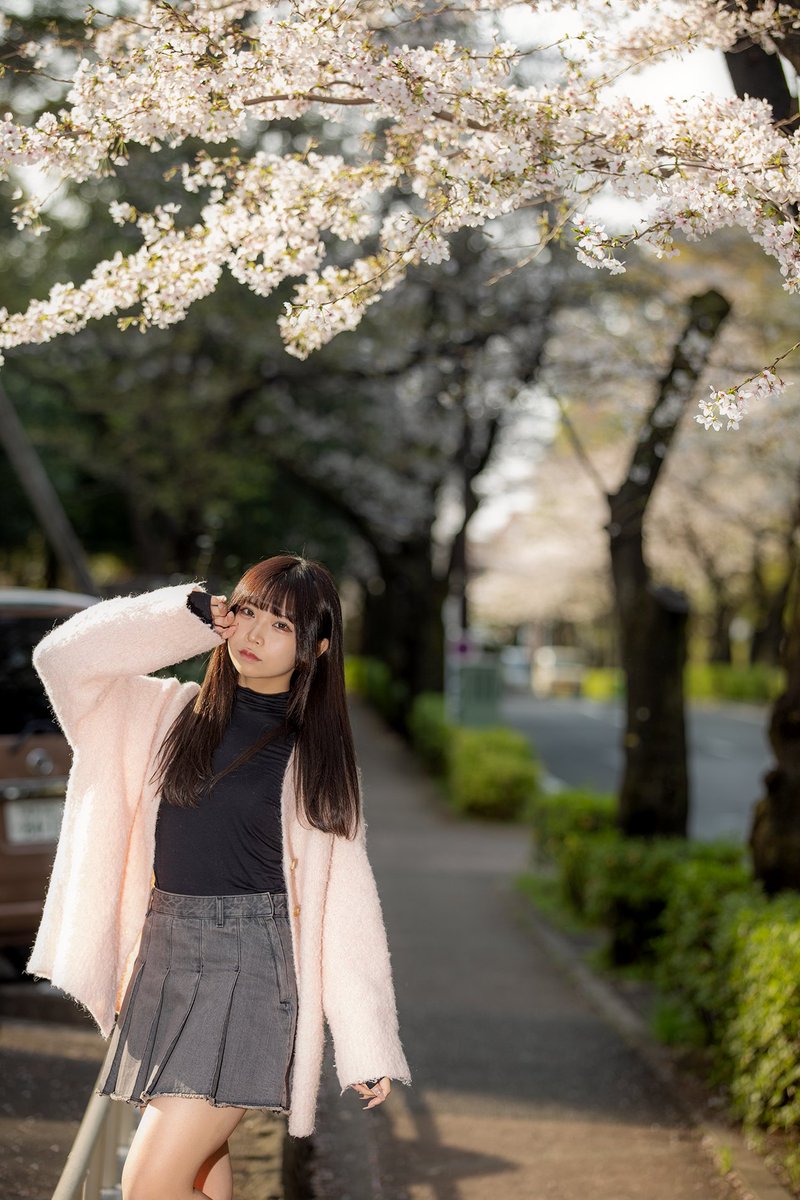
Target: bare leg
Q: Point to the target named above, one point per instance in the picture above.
(176, 1139)
(215, 1177)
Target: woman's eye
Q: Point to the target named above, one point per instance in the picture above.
(284, 625)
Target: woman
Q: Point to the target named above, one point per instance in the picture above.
(211, 901)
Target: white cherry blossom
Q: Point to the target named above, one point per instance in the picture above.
(447, 124)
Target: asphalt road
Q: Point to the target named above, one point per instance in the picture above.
(579, 742)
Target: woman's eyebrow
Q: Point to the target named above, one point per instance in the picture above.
(279, 612)
(271, 608)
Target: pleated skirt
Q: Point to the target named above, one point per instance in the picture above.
(210, 1008)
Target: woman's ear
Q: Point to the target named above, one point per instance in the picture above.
(322, 646)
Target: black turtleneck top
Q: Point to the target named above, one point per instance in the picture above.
(231, 842)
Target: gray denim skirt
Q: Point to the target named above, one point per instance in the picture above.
(211, 1005)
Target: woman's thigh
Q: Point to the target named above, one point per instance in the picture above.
(215, 1177)
(175, 1137)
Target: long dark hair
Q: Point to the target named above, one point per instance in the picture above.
(326, 774)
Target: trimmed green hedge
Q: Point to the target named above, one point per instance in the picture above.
(487, 771)
(724, 953)
(625, 884)
(688, 964)
(627, 891)
(491, 772)
(430, 731)
(759, 683)
(758, 943)
(372, 679)
(603, 683)
(728, 954)
(553, 816)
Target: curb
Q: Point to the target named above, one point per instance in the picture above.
(748, 1172)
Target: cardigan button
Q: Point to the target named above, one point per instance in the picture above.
(296, 910)
(293, 864)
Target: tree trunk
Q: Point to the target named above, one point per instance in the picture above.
(412, 611)
(768, 633)
(719, 650)
(654, 797)
(652, 621)
(45, 501)
(775, 831)
(770, 603)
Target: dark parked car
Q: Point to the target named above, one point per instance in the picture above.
(35, 759)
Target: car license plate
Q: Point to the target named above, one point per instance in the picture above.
(29, 822)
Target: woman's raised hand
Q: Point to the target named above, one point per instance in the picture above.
(224, 619)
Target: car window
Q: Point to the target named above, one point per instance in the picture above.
(22, 696)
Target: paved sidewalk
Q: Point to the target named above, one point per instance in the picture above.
(521, 1089)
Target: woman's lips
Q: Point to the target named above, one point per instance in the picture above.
(249, 654)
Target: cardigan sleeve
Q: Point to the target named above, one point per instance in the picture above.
(199, 602)
(358, 996)
(113, 646)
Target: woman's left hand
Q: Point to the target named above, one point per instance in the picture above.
(224, 619)
(375, 1094)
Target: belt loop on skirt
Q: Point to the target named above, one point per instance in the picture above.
(220, 910)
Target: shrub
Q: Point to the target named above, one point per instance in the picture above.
(688, 966)
(491, 771)
(629, 881)
(372, 678)
(354, 674)
(603, 683)
(625, 884)
(758, 682)
(576, 863)
(430, 730)
(758, 943)
(555, 815)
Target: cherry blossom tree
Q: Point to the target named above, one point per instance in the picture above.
(605, 348)
(448, 124)
(719, 523)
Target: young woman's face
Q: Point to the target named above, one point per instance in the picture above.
(262, 648)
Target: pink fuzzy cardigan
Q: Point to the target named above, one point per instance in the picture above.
(96, 669)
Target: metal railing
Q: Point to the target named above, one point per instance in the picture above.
(93, 1169)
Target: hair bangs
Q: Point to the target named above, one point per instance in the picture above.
(280, 606)
(275, 595)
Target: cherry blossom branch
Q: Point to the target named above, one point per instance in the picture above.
(446, 123)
